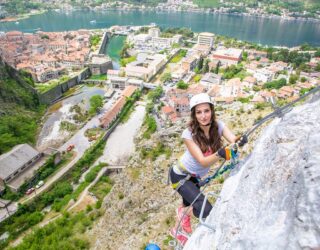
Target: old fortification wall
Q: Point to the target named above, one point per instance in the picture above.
(57, 92)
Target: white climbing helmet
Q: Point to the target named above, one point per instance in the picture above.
(200, 98)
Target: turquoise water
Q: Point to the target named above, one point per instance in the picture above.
(114, 48)
(254, 29)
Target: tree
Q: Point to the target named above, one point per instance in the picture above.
(96, 102)
(303, 79)
(155, 94)
(293, 79)
(124, 51)
(245, 56)
(270, 53)
(217, 67)
(306, 47)
(182, 85)
(276, 84)
(166, 77)
(183, 53)
(94, 40)
(200, 63)
(16, 129)
(232, 70)
(205, 67)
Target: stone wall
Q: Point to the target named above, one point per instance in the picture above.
(104, 42)
(55, 93)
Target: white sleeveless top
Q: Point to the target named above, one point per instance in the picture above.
(188, 161)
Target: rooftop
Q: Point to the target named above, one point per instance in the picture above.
(206, 34)
(13, 160)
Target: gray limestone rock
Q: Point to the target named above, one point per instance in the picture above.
(272, 200)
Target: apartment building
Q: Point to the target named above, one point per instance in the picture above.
(227, 57)
(146, 67)
(210, 79)
(206, 38)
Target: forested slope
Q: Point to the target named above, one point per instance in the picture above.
(19, 109)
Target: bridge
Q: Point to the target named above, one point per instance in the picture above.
(144, 84)
(149, 85)
(120, 33)
(94, 81)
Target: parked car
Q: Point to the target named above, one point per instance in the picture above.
(70, 147)
(30, 190)
(40, 184)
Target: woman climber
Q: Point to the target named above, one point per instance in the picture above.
(203, 139)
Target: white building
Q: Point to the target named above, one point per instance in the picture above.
(210, 79)
(206, 38)
(139, 72)
(178, 74)
(161, 42)
(177, 39)
(147, 68)
(117, 82)
(263, 75)
(231, 88)
(141, 38)
(154, 32)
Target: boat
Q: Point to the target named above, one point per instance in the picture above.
(17, 22)
(93, 21)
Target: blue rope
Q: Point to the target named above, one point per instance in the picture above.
(231, 165)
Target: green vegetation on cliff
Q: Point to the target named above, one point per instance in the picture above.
(20, 111)
(15, 7)
(207, 3)
(296, 7)
(271, 6)
(64, 233)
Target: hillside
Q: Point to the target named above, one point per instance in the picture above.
(19, 109)
(16, 7)
(292, 5)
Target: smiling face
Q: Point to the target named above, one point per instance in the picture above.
(203, 114)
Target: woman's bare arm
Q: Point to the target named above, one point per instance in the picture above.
(195, 151)
(228, 135)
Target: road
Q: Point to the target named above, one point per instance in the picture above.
(81, 145)
(51, 180)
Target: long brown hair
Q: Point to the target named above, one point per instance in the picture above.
(214, 142)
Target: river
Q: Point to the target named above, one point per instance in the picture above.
(266, 31)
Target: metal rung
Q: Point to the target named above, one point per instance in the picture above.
(202, 222)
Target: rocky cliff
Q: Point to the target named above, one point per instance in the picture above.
(272, 200)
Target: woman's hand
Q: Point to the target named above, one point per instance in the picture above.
(243, 140)
(228, 152)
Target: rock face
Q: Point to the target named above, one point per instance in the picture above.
(272, 200)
